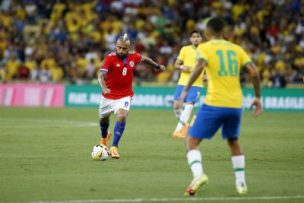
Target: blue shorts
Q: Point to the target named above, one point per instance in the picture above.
(210, 118)
(193, 94)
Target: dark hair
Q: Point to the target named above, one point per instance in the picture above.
(216, 24)
(195, 32)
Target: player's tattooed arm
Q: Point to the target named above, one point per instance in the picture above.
(153, 63)
(255, 79)
(101, 79)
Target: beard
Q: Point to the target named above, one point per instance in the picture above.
(122, 56)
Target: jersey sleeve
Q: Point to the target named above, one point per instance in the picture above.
(245, 59)
(202, 53)
(106, 64)
(181, 55)
(137, 57)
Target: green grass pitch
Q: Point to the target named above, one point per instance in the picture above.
(45, 156)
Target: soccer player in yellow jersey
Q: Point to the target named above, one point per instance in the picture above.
(185, 63)
(222, 107)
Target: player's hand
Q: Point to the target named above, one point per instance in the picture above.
(162, 67)
(180, 102)
(185, 68)
(257, 105)
(106, 90)
(205, 79)
(178, 105)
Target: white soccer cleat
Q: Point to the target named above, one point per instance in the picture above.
(241, 189)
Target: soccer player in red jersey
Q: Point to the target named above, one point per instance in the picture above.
(115, 78)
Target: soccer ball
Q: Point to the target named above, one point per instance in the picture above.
(100, 152)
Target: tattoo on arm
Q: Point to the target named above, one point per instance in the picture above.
(256, 84)
(255, 79)
(150, 61)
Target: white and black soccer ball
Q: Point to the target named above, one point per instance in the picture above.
(100, 152)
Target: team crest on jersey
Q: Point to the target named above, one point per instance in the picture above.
(132, 64)
(126, 104)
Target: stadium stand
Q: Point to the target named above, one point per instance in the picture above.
(64, 41)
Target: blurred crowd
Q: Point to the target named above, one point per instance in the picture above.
(65, 40)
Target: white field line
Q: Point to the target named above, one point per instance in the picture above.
(190, 199)
(57, 122)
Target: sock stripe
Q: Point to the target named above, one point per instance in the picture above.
(239, 169)
(194, 162)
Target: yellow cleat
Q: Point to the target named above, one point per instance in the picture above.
(104, 141)
(181, 133)
(241, 189)
(114, 152)
(195, 185)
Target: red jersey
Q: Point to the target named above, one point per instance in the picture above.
(119, 77)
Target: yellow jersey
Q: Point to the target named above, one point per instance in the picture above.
(224, 61)
(188, 55)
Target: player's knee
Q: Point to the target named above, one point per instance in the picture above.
(232, 139)
(121, 117)
(233, 142)
(175, 107)
(104, 119)
(235, 146)
(192, 143)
